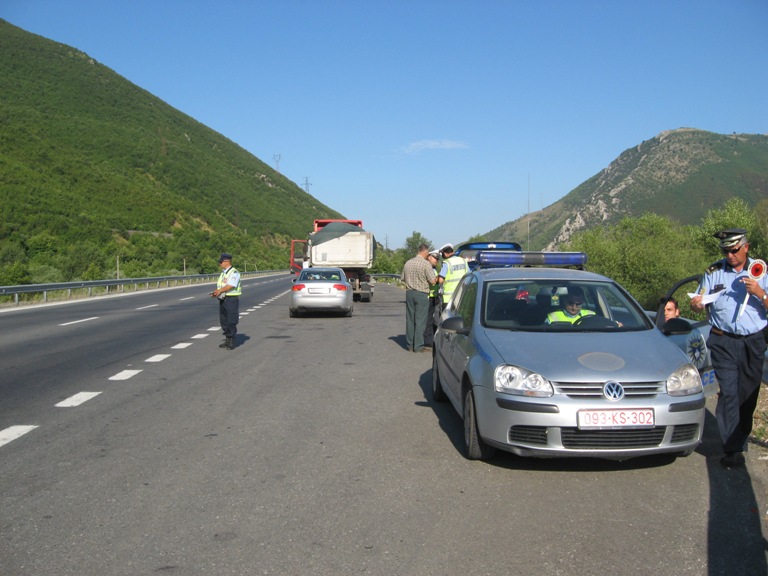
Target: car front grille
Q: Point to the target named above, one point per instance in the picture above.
(528, 435)
(684, 433)
(595, 389)
(573, 438)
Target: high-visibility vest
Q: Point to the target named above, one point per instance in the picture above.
(457, 267)
(224, 280)
(561, 316)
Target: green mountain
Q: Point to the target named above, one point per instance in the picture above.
(92, 167)
(681, 174)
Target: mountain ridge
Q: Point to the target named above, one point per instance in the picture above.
(679, 173)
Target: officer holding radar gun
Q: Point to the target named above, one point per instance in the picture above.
(734, 291)
(228, 292)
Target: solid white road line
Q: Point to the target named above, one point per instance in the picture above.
(124, 375)
(10, 434)
(78, 321)
(77, 399)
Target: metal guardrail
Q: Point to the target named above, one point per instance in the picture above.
(117, 283)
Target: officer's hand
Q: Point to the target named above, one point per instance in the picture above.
(696, 304)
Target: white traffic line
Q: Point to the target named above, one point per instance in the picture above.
(78, 321)
(124, 375)
(201, 336)
(10, 434)
(181, 345)
(77, 399)
(214, 328)
(157, 358)
(145, 307)
(187, 298)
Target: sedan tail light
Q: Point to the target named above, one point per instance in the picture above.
(298, 287)
(341, 287)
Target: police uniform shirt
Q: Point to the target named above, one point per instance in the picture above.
(230, 277)
(724, 312)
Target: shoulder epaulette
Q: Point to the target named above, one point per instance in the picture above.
(715, 266)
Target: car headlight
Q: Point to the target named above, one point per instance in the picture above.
(513, 380)
(684, 381)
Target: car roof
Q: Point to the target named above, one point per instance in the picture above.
(538, 273)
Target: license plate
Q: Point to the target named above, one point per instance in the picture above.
(616, 418)
(318, 290)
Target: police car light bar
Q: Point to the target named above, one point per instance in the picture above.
(489, 246)
(501, 259)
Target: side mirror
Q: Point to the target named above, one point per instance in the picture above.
(676, 326)
(454, 324)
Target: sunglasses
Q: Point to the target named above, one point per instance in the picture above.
(573, 303)
(733, 251)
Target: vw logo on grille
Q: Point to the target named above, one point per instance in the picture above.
(613, 390)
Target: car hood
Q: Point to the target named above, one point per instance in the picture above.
(589, 356)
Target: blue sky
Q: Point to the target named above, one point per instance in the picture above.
(448, 118)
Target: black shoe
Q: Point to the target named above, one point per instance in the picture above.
(732, 460)
(230, 344)
(225, 343)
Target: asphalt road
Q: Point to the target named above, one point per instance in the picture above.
(312, 449)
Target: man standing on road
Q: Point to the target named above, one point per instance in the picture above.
(452, 270)
(418, 275)
(228, 292)
(736, 343)
(434, 304)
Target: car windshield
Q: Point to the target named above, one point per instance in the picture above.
(320, 275)
(542, 305)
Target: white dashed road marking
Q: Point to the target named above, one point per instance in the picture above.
(200, 336)
(78, 321)
(10, 434)
(181, 345)
(77, 399)
(157, 358)
(124, 375)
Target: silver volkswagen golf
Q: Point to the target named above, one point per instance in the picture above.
(542, 358)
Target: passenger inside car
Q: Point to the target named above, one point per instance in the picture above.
(572, 307)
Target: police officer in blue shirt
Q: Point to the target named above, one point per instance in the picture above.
(736, 342)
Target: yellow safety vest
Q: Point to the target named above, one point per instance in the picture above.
(457, 267)
(224, 280)
(561, 316)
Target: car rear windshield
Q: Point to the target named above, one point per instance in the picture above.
(539, 305)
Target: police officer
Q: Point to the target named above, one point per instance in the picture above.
(737, 316)
(228, 292)
(572, 310)
(434, 303)
(453, 268)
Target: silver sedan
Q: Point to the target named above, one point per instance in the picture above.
(576, 368)
(320, 290)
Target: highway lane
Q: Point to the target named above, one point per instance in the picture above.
(53, 348)
(314, 448)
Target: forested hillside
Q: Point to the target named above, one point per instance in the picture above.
(680, 174)
(92, 167)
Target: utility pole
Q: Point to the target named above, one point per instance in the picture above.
(276, 158)
(307, 184)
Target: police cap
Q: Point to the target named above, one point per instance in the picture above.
(446, 248)
(732, 237)
(224, 257)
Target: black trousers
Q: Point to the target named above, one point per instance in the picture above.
(229, 314)
(738, 364)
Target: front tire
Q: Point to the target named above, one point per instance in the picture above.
(476, 449)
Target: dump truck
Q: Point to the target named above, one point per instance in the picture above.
(341, 244)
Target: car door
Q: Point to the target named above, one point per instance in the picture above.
(459, 347)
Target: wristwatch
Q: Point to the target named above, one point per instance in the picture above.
(765, 296)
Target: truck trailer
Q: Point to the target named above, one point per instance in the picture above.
(341, 244)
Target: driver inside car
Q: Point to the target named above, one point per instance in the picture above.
(573, 307)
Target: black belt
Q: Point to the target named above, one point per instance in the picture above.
(730, 335)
